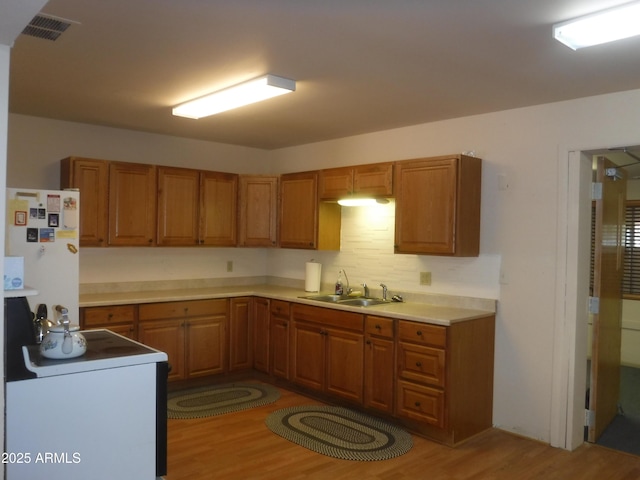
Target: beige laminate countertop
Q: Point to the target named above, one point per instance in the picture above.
(455, 309)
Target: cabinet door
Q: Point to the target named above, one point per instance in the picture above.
(240, 339)
(205, 345)
(379, 363)
(258, 211)
(178, 198)
(218, 209)
(379, 372)
(280, 347)
(345, 364)
(308, 361)
(261, 337)
(166, 336)
(375, 179)
(132, 204)
(299, 210)
(279, 338)
(335, 183)
(438, 206)
(91, 177)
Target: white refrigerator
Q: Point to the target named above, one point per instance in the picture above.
(43, 228)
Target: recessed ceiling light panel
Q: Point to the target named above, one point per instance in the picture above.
(253, 91)
(600, 27)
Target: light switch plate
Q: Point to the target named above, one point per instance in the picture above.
(425, 278)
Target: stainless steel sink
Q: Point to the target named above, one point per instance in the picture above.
(327, 298)
(346, 300)
(364, 302)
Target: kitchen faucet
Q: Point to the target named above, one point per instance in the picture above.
(366, 290)
(348, 289)
(384, 291)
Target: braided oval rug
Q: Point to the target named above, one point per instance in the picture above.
(219, 399)
(340, 432)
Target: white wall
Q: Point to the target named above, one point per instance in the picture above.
(5, 54)
(519, 232)
(37, 145)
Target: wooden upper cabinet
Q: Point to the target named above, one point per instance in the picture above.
(132, 204)
(375, 180)
(304, 221)
(178, 199)
(91, 178)
(438, 206)
(218, 209)
(258, 211)
(196, 207)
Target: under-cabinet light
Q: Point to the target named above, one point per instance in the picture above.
(253, 91)
(361, 202)
(600, 27)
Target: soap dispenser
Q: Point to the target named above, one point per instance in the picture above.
(339, 287)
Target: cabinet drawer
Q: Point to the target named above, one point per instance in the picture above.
(421, 403)
(422, 333)
(195, 308)
(103, 316)
(329, 317)
(280, 308)
(421, 364)
(379, 326)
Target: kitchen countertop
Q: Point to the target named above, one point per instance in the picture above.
(439, 309)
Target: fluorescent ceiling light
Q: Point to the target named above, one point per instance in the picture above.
(360, 202)
(239, 95)
(601, 27)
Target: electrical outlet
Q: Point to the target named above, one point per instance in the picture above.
(229, 265)
(425, 278)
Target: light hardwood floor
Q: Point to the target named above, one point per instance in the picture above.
(240, 446)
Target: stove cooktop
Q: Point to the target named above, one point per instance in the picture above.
(105, 349)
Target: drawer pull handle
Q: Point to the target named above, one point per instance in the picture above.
(418, 364)
(417, 404)
(419, 333)
(378, 327)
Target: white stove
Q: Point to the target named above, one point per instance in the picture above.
(100, 416)
(105, 349)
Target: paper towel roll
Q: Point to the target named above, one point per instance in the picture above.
(312, 277)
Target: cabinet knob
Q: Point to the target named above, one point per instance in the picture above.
(418, 364)
(417, 404)
(368, 342)
(378, 327)
(419, 333)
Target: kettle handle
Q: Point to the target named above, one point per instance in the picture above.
(67, 343)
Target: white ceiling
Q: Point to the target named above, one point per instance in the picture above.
(360, 65)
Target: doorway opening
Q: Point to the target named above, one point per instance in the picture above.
(613, 349)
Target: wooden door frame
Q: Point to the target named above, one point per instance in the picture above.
(573, 247)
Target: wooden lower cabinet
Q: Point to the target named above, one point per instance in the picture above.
(379, 363)
(436, 380)
(279, 348)
(445, 378)
(261, 337)
(192, 333)
(121, 319)
(327, 348)
(240, 334)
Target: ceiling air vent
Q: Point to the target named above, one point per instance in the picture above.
(46, 27)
